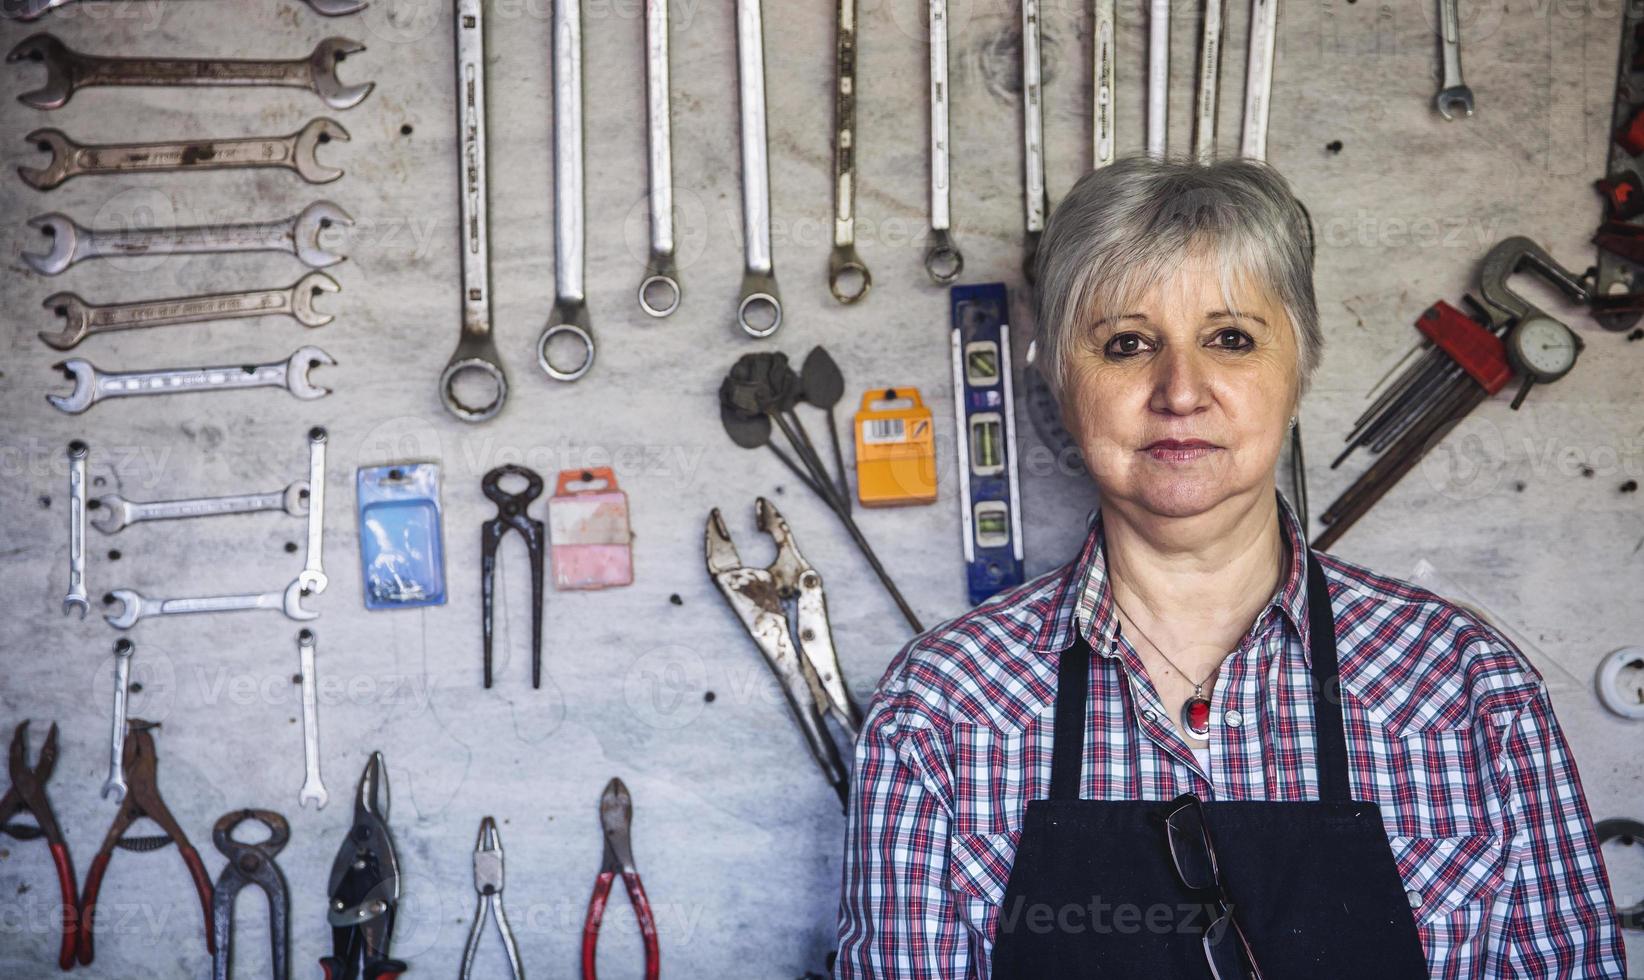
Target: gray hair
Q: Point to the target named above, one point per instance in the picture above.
(1124, 227)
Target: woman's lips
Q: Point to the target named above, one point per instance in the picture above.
(1179, 450)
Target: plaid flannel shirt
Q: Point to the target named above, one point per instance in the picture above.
(1449, 729)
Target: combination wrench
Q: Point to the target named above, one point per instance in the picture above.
(115, 513)
(759, 311)
(294, 152)
(92, 386)
(116, 781)
(476, 352)
(68, 70)
(1210, 70)
(82, 319)
(299, 235)
(313, 788)
(1453, 93)
(31, 9)
(1036, 199)
(848, 278)
(135, 606)
(1258, 77)
(76, 595)
(570, 314)
(312, 578)
(659, 292)
(943, 261)
(1103, 58)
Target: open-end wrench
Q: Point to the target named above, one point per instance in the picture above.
(570, 314)
(116, 781)
(135, 606)
(293, 152)
(313, 788)
(1258, 77)
(1210, 71)
(1035, 198)
(1103, 57)
(312, 577)
(82, 319)
(75, 598)
(299, 234)
(659, 292)
(476, 352)
(848, 278)
(1453, 93)
(92, 386)
(759, 311)
(30, 9)
(115, 513)
(68, 70)
(1158, 77)
(943, 261)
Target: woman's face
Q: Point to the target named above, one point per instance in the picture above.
(1180, 403)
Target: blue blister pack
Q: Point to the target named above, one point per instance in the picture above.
(402, 551)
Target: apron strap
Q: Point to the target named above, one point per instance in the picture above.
(1067, 750)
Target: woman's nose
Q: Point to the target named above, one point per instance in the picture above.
(1181, 385)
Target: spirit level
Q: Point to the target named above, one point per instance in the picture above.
(984, 412)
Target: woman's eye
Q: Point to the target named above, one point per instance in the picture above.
(1231, 339)
(1125, 345)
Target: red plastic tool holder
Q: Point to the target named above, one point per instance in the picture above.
(1479, 352)
(1631, 136)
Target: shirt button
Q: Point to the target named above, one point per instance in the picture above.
(1233, 717)
(1415, 899)
(1150, 715)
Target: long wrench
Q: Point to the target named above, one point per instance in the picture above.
(313, 788)
(1453, 93)
(1103, 57)
(92, 386)
(1210, 70)
(476, 351)
(1258, 77)
(659, 292)
(299, 234)
(570, 314)
(82, 319)
(1035, 198)
(1158, 77)
(848, 278)
(759, 310)
(76, 595)
(116, 781)
(312, 578)
(68, 70)
(30, 9)
(115, 513)
(293, 152)
(135, 606)
(943, 261)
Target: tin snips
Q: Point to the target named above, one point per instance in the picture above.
(365, 887)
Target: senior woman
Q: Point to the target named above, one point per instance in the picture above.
(1201, 749)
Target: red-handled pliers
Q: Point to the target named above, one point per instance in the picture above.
(28, 794)
(616, 812)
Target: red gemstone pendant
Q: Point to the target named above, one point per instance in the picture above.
(1196, 717)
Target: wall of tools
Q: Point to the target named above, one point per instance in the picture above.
(593, 299)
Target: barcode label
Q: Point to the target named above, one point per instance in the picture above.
(877, 431)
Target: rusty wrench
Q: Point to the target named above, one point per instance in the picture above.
(116, 782)
(1035, 198)
(76, 596)
(570, 315)
(848, 278)
(31, 9)
(293, 152)
(83, 319)
(299, 234)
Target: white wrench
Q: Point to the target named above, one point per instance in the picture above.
(1035, 198)
(76, 596)
(1210, 70)
(115, 513)
(135, 606)
(312, 578)
(1258, 77)
(659, 292)
(1103, 57)
(1158, 77)
(92, 385)
(759, 311)
(943, 261)
(1453, 93)
(116, 782)
(570, 314)
(299, 234)
(313, 789)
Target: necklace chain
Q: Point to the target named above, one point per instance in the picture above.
(1197, 685)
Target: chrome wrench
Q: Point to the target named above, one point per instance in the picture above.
(92, 386)
(848, 278)
(476, 351)
(116, 781)
(570, 315)
(30, 9)
(1210, 70)
(313, 788)
(299, 234)
(1258, 77)
(1453, 94)
(76, 595)
(82, 319)
(294, 152)
(115, 513)
(1158, 77)
(1103, 57)
(312, 578)
(659, 292)
(759, 311)
(943, 261)
(135, 606)
(1035, 197)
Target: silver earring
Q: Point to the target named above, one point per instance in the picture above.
(1292, 421)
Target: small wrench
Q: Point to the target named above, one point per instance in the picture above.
(116, 782)
(760, 309)
(92, 385)
(293, 152)
(1258, 77)
(134, 606)
(943, 261)
(570, 314)
(1158, 77)
(313, 789)
(84, 319)
(68, 70)
(1103, 56)
(1453, 94)
(1036, 199)
(115, 513)
(1210, 71)
(848, 278)
(30, 9)
(76, 596)
(299, 234)
(476, 351)
(659, 292)
(312, 577)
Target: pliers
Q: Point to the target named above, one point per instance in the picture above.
(251, 864)
(616, 814)
(488, 883)
(511, 513)
(365, 887)
(28, 795)
(142, 799)
(809, 670)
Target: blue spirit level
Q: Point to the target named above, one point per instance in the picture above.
(984, 413)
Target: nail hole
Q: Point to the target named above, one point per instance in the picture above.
(325, 222)
(43, 146)
(324, 138)
(708, 696)
(114, 554)
(341, 56)
(122, 646)
(249, 368)
(36, 56)
(395, 475)
(60, 310)
(291, 547)
(45, 501)
(136, 687)
(676, 600)
(305, 635)
(296, 678)
(94, 504)
(405, 130)
(108, 600)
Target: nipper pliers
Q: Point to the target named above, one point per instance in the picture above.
(511, 514)
(251, 864)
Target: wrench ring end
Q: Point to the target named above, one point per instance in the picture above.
(465, 364)
(571, 319)
(944, 263)
(846, 268)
